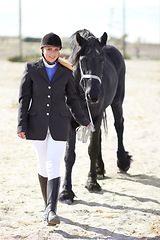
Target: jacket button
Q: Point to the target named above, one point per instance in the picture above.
(49, 96)
(49, 87)
(47, 114)
(47, 105)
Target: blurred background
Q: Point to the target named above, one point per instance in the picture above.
(132, 26)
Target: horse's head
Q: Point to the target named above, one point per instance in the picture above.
(91, 60)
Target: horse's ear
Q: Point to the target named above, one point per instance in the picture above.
(80, 39)
(103, 39)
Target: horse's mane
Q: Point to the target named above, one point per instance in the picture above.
(76, 50)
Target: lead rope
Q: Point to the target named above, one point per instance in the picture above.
(82, 131)
(89, 113)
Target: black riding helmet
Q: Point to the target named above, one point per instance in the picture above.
(51, 40)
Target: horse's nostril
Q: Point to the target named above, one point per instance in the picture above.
(92, 99)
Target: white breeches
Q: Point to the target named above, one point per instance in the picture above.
(49, 154)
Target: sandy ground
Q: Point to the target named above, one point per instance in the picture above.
(128, 207)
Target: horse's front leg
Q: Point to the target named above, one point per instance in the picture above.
(67, 195)
(123, 157)
(100, 164)
(93, 150)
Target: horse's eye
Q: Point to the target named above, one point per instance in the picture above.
(83, 60)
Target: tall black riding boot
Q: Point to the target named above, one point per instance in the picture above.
(43, 184)
(52, 198)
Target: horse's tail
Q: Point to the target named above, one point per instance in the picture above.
(104, 119)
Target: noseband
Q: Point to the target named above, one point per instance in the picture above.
(88, 76)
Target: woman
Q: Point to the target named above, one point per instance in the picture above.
(46, 94)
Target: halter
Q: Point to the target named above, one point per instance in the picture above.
(83, 87)
(87, 76)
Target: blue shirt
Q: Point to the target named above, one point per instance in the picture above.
(51, 71)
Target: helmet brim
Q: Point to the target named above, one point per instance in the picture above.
(51, 46)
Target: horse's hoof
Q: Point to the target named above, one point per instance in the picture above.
(67, 201)
(100, 176)
(100, 173)
(67, 196)
(122, 168)
(92, 186)
(124, 162)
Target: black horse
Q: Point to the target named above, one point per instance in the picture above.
(100, 78)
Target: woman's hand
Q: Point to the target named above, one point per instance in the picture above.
(91, 127)
(22, 135)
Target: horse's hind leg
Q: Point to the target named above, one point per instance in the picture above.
(67, 195)
(123, 158)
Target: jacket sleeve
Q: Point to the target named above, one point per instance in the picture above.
(24, 100)
(74, 104)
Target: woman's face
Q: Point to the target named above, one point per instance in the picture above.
(51, 53)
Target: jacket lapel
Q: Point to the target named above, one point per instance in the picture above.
(42, 70)
(60, 70)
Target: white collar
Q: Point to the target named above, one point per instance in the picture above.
(47, 65)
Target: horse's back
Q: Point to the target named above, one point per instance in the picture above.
(115, 56)
(117, 73)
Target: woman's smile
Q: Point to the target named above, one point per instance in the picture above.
(51, 53)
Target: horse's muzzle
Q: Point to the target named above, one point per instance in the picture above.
(92, 99)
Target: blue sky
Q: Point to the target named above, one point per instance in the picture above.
(67, 16)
